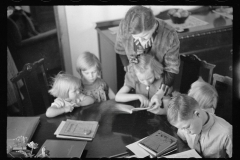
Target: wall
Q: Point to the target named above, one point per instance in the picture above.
(81, 23)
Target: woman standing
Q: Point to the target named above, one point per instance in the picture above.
(140, 32)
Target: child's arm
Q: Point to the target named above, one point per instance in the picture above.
(54, 111)
(123, 95)
(87, 100)
(111, 94)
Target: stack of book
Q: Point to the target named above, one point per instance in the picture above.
(76, 129)
(159, 144)
(19, 128)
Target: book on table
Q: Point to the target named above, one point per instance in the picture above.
(186, 154)
(159, 143)
(128, 108)
(76, 129)
(63, 148)
(20, 126)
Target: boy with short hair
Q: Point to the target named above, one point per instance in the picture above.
(208, 134)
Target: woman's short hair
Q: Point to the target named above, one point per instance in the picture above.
(144, 62)
(205, 94)
(62, 83)
(139, 19)
(180, 108)
(87, 60)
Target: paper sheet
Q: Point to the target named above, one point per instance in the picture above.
(128, 108)
(185, 154)
(137, 150)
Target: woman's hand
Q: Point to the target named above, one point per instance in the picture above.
(144, 101)
(149, 43)
(145, 44)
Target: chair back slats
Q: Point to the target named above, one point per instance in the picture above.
(224, 79)
(35, 88)
(27, 70)
(191, 68)
(19, 99)
(190, 71)
(210, 68)
(45, 89)
(223, 85)
(27, 103)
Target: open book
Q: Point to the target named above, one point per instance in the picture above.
(159, 143)
(76, 129)
(186, 154)
(128, 108)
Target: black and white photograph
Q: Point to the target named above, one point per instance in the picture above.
(121, 81)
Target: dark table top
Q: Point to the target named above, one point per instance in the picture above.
(116, 128)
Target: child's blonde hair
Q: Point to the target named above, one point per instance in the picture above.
(181, 108)
(143, 62)
(62, 83)
(87, 60)
(204, 93)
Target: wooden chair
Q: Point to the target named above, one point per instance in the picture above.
(190, 69)
(223, 85)
(33, 98)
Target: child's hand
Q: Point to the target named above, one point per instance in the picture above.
(76, 103)
(68, 108)
(144, 101)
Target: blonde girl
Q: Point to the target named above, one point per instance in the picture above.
(67, 90)
(145, 77)
(205, 94)
(89, 68)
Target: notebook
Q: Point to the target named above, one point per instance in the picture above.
(20, 126)
(76, 129)
(63, 148)
(159, 143)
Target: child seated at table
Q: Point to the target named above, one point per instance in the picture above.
(66, 88)
(145, 77)
(205, 94)
(89, 68)
(208, 134)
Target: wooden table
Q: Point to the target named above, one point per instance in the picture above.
(116, 128)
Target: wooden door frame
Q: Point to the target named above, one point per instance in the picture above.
(63, 38)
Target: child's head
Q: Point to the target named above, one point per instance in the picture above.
(146, 68)
(88, 66)
(205, 94)
(65, 86)
(184, 113)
